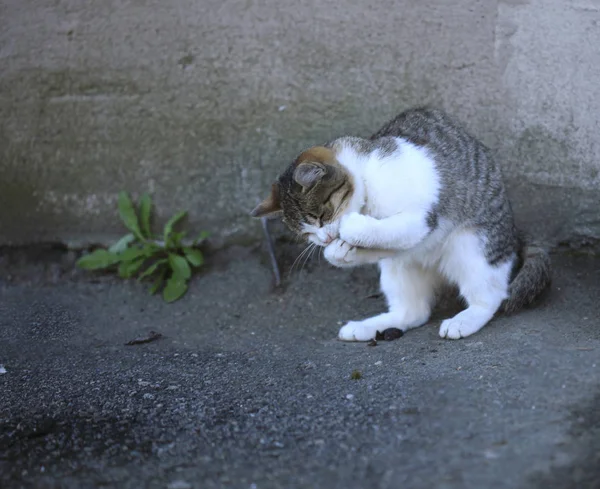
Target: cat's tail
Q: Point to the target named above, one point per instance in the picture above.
(532, 279)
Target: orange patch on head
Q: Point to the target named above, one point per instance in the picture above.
(316, 154)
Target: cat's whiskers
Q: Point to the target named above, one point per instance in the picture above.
(313, 247)
(304, 251)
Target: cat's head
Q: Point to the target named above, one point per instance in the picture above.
(310, 195)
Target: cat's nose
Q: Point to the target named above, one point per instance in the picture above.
(328, 239)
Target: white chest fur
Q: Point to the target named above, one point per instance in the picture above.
(406, 180)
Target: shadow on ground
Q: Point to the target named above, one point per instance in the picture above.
(248, 388)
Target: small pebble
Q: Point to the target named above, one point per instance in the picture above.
(379, 362)
(373, 342)
(2, 370)
(490, 454)
(179, 485)
(308, 365)
(349, 396)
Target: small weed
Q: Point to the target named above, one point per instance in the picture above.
(163, 259)
(355, 375)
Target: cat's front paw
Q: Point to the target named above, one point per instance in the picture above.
(340, 254)
(356, 331)
(455, 329)
(356, 228)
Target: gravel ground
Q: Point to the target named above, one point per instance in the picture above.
(248, 387)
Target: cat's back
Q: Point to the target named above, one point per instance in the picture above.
(431, 127)
(472, 191)
(470, 178)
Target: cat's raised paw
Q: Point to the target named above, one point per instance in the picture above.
(355, 229)
(340, 254)
(355, 331)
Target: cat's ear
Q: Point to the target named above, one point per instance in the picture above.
(308, 174)
(270, 206)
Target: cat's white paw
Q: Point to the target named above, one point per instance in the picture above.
(355, 229)
(355, 331)
(455, 329)
(340, 254)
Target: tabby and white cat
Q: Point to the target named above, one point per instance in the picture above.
(425, 200)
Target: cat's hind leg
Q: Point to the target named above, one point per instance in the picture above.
(483, 286)
(410, 292)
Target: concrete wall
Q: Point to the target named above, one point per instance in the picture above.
(202, 102)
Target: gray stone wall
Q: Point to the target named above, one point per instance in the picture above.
(202, 102)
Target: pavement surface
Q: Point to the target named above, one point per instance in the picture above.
(248, 387)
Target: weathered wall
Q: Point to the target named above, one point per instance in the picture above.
(201, 102)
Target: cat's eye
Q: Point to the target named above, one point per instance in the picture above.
(315, 218)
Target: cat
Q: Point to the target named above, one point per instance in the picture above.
(425, 200)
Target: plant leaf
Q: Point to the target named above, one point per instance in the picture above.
(135, 266)
(201, 237)
(131, 254)
(157, 283)
(174, 241)
(195, 257)
(170, 223)
(175, 288)
(176, 238)
(122, 244)
(128, 215)
(97, 260)
(152, 269)
(152, 248)
(145, 214)
(180, 267)
(128, 268)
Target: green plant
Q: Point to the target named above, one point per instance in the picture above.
(356, 375)
(163, 259)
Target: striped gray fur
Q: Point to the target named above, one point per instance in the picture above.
(385, 145)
